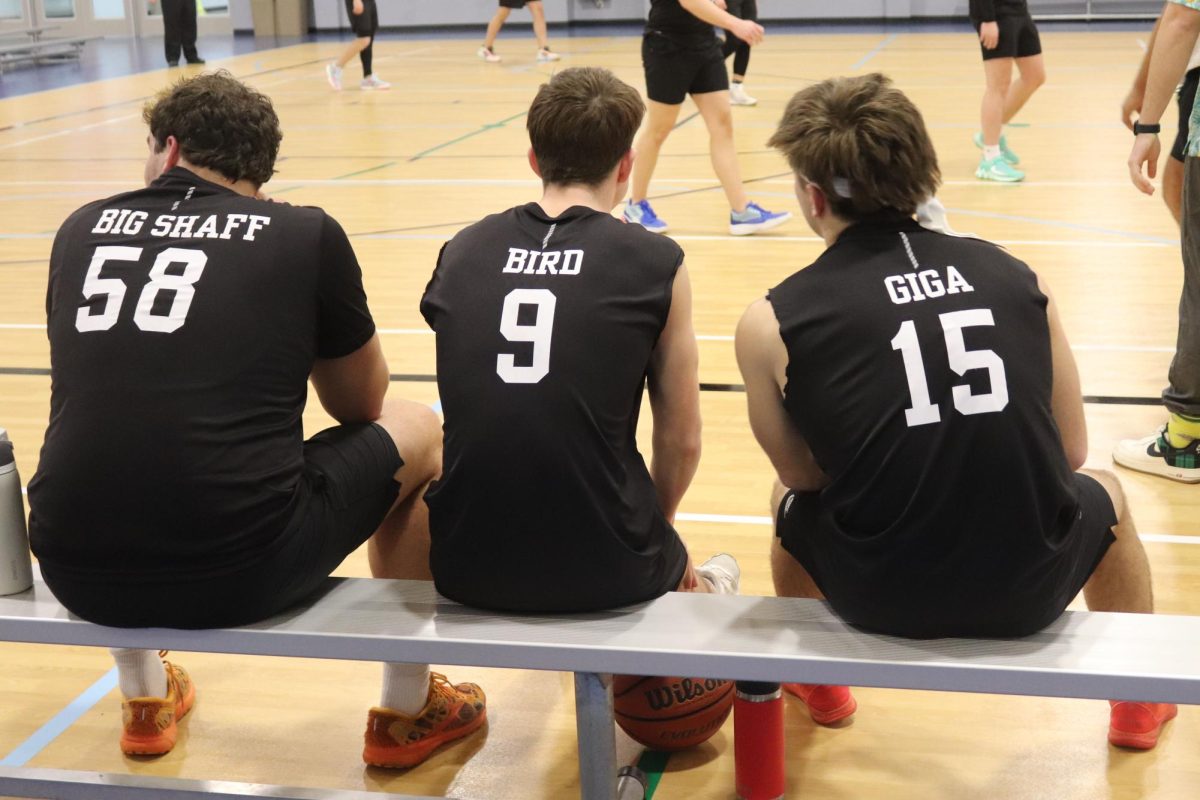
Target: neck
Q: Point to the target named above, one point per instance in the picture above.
(557, 198)
(242, 187)
(831, 229)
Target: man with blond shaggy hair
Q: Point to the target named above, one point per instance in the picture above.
(918, 399)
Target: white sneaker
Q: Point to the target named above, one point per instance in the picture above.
(333, 73)
(488, 55)
(738, 96)
(931, 215)
(371, 83)
(1154, 455)
(722, 572)
(546, 54)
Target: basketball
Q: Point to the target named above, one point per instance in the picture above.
(671, 713)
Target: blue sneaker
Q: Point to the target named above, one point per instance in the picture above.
(642, 214)
(755, 219)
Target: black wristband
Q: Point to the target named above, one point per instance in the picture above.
(1139, 128)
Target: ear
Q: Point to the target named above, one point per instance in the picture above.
(172, 148)
(817, 200)
(533, 165)
(625, 165)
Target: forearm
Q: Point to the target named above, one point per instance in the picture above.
(705, 10)
(1175, 38)
(672, 467)
(1139, 81)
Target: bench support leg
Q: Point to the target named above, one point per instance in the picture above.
(597, 736)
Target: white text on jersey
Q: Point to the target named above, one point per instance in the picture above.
(126, 222)
(912, 287)
(537, 262)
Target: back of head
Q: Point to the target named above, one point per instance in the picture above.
(220, 123)
(581, 123)
(863, 142)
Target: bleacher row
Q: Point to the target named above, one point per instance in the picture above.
(32, 45)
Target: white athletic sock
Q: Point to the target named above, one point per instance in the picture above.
(405, 687)
(991, 151)
(140, 672)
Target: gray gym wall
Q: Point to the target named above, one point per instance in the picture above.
(331, 14)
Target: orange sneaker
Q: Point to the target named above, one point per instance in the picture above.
(398, 740)
(826, 704)
(150, 727)
(1137, 725)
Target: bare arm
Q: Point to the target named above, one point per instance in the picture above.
(746, 30)
(1066, 397)
(1178, 29)
(674, 386)
(1132, 104)
(762, 359)
(351, 388)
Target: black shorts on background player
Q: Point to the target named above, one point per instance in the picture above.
(681, 55)
(1018, 34)
(515, 4)
(545, 328)
(366, 23)
(924, 392)
(1187, 96)
(174, 457)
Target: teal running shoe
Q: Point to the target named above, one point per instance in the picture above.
(1009, 155)
(998, 169)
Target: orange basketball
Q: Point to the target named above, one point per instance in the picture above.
(671, 713)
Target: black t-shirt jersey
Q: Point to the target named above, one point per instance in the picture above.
(545, 328)
(991, 10)
(919, 372)
(669, 18)
(184, 320)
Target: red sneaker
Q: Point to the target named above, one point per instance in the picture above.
(1137, 725)
(399, 741)
(826, 704)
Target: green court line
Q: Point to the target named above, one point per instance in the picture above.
(365, 171)
(653, 763)
(490, 126)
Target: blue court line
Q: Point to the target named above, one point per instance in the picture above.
(879, 48)
(64, 719)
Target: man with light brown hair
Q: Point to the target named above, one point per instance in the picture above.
(918, 399)
(552, 318)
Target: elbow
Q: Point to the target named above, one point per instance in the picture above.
(1077, 456)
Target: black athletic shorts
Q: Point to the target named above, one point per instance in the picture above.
(1187, 96)
(1018, 38)
(1005, 598)
(366, 23)
(347, 489)
(675, 69)
(514, 3)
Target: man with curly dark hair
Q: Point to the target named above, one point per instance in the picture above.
(175, 487)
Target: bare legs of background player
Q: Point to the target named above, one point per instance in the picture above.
(538, 12)
(718, 120)
(1002, 99)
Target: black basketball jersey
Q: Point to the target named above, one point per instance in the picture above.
(919, 372)
(545, 327)
(668, 17)
(991, 10)
(184, 320)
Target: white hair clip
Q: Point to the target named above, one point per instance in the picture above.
(841, 187)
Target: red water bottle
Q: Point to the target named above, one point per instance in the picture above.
(758, 741)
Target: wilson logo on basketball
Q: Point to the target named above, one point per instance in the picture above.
(661, 698)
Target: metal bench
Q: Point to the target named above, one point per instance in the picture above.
(38, 50)
(1087, 655)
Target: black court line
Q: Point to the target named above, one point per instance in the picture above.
(737, 388)
(430, 226)
(685, 120)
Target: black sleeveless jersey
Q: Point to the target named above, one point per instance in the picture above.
(669, 18)
(545, 327)
(919, 372)
(991, 10)
(184, 320)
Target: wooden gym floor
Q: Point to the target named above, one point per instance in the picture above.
(403, 170)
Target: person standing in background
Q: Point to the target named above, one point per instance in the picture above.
(740, 50)
(364, 21)
(544, 53)
(179, 31)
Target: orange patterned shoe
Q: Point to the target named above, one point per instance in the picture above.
(398, 740)
(826, 704)
(150, 722)
(1137, 725)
